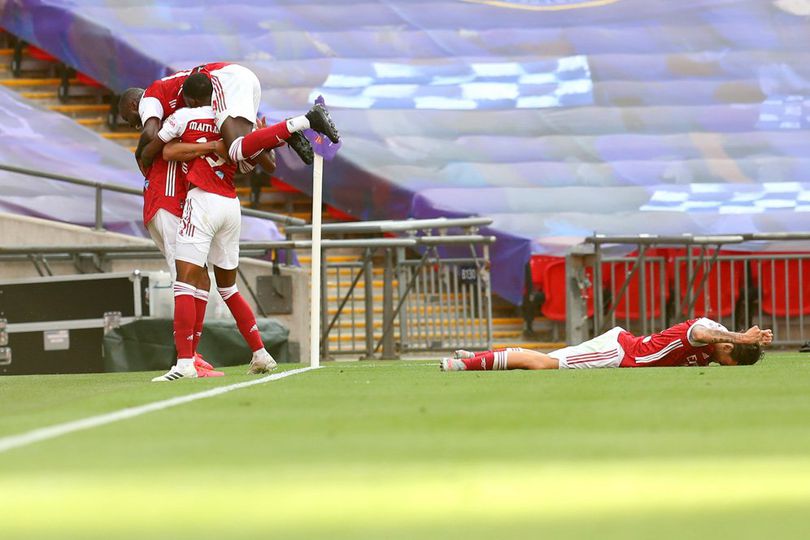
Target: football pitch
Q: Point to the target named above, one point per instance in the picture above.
(401, 450)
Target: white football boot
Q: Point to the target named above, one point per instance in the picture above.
(177, 373)
(452, 364)
(261, 362)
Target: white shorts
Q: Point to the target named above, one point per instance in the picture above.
(603, 351)
(209, 231)
(237, 93)
(163, 230)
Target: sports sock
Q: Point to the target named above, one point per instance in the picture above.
(185, 364)
(251, 144)
(245, 320)
(489, 360)
(185, 314)
(200, 303)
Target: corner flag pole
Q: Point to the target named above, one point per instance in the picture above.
(315, 293)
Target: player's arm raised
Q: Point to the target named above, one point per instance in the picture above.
(713, 335)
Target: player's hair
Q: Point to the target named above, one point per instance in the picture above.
(129, 95)
(198, 87)
(746, 354)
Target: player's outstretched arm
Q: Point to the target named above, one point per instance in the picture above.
(180, 151)
(753, 335)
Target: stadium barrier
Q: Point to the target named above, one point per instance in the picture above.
(436, 288)
(441, 289)
(100, 188)
(646, 283)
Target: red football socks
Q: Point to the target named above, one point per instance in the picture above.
(185, 314)
(264, 139)
(245, 320)
(200, 303)
(488, 360)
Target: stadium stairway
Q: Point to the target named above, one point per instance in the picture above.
(45, 81)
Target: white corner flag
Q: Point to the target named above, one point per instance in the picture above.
(324, 149)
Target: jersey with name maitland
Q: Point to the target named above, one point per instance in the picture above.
(672, 347)
(210, 172)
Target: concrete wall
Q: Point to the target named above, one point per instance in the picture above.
(26, 231)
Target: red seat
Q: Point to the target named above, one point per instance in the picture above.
(719, 292)
(629, 305)
(784, 286)
(554, 283)
(538, 265)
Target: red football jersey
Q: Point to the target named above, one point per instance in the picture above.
(672, 347)
(210, 172)
(165, 187)
(165, 96)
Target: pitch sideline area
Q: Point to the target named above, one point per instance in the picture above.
(399, 449)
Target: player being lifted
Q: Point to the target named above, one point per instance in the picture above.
(209, 231)
(696, 342)
(236, 98)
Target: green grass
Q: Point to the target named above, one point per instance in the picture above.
(401, 450)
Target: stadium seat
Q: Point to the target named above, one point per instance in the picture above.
(784, 286)
(629, 305)
(719, 292)
(555, 287)
(537, 266)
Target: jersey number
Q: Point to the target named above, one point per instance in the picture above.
(214, 164)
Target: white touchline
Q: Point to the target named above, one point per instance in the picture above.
(51, 432)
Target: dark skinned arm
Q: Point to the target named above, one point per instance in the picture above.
(180, 151)
(267, 160)
(148, 134)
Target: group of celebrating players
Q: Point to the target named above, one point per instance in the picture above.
(199, 127)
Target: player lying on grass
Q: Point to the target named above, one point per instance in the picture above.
(209, 231)
(696, 342)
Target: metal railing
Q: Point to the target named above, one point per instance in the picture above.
(430, 300)
(101, 187)
(646, 283)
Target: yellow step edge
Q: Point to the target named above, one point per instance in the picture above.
(89, 121)
(119, 135)
(347, 336)
(79, 108)
(378, 324)
(39, 95)
(332, 258)
(31, 82)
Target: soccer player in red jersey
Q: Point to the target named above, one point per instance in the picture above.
(696, 342)
(236, 98)
(209, 231)
(164, 194)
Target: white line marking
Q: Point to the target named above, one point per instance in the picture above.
(43, 434)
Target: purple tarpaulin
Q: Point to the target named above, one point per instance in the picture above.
(45, 141)
(558, 118)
